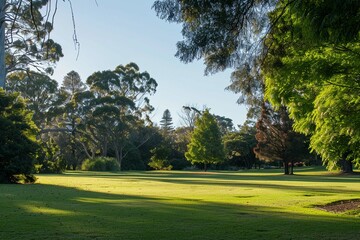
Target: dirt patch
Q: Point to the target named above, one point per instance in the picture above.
(341, 206)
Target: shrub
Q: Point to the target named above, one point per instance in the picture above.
(100, 164)
(159, 160)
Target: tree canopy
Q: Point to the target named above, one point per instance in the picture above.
(25, 42)
(303, 54)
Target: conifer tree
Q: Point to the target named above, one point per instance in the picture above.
(166, 122)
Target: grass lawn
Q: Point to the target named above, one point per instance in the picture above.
(256, 204)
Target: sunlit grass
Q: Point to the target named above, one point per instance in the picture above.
(256, 204)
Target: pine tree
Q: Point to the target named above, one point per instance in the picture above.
(166, 122)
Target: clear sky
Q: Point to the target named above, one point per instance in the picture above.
(114, 32)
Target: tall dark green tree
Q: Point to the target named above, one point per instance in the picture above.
(166, 122)
(205, 146)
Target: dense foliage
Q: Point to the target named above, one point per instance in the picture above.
(205, 146)
(100, 164)
(18, 146)
(303, 55)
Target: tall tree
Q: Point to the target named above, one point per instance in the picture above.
(166, 122)
(308, 51)
(2, 44)
(40, 91)
(313, 68)
(188, 115)
(118, 103)
(276, 141)
(24, 38)
(72, 113)
(205, 146)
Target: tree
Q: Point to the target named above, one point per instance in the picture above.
(312, 67)
(160, 157)
(72, 110)
(24, 38)
(304, 50)
(225, 124)
(239, 146)
(221, 32)
(205, 146)
(276, 141)
(118, 103)
(166, 122)
(189, 116)
(18, 145)
(40, 91)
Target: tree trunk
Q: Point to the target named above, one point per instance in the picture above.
(346, 166)
(286, 167)
(2, 44)
(292, 168)
(205, 167)
(121, 157)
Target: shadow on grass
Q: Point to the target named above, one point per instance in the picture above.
(55, 212)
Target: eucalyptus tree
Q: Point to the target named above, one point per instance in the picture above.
(189, 115)
(24, 37)
(120, 102)
(40, 91)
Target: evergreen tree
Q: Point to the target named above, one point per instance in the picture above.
(166, 122)
(205, 146)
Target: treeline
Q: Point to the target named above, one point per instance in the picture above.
(104, 124)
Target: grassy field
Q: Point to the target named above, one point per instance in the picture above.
(257, 204)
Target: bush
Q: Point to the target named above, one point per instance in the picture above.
(159, 164)
(159, 160)
(100, 164)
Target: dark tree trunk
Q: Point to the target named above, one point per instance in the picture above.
(205, 167)
(346, 166)
(292, 168)
(2, 44)
(286, 167)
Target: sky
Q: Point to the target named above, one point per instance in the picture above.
(113, 32)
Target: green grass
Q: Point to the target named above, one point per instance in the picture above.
(179, 205)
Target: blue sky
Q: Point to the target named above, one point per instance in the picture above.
(118, 32)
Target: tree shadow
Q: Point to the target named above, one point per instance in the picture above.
(55, 212)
